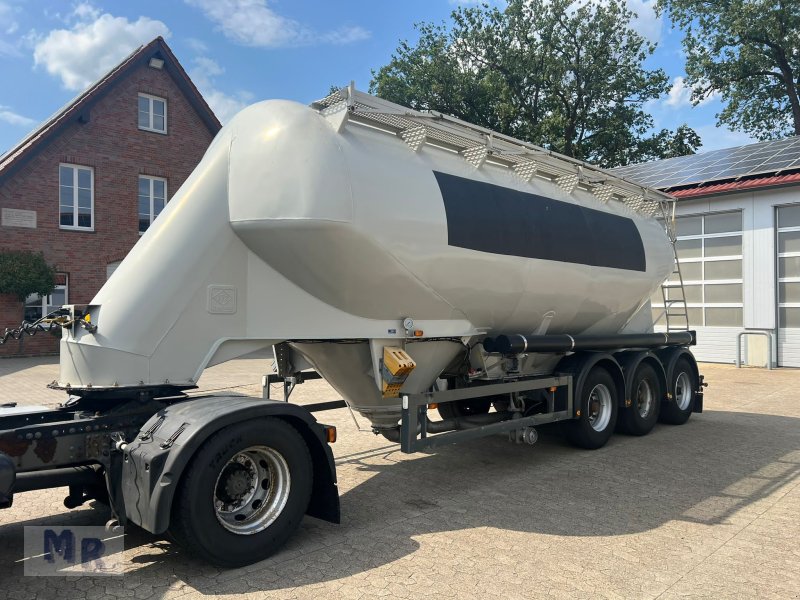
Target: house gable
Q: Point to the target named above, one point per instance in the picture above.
(79, 110)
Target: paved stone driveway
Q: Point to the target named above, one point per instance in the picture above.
(709, 509)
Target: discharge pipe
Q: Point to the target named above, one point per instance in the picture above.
(519, 343)
(465, 422)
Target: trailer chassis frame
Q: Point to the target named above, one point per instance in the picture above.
(414, 436)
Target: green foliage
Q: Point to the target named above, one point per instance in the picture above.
(24, 273)
(748, 52)
(667, 144)
(565, 76)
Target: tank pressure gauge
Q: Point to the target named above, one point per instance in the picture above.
(408, 323)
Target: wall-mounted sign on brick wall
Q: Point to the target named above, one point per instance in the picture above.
(16, 217)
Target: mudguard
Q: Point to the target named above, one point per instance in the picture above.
(579, 364)
(154, 462)
(630, 361)
(669, 357)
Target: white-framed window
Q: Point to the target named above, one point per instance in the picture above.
(710, 254)
(152, 113)
(788, 252)
(76, 197)
(152, 198)
(37, 306)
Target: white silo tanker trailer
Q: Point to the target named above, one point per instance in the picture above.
(412, 260)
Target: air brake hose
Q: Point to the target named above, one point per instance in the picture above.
(46, 323)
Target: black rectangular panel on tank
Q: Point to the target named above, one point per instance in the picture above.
(491, 218)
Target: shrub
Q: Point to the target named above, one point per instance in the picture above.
(23, 273)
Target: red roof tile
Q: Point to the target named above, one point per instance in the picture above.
(736, 186)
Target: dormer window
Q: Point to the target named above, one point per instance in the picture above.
(152, 113)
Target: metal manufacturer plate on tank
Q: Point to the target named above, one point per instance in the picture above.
(221, 299)
(491, 218)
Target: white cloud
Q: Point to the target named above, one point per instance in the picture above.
(226, 106)
(9, 116)
(680, 95)
(85, 12)
(8, 27)
(344, 35)
(204, 73)
(646, 23)
(93, 45)
(7, 21)
(197, 45)
(206, 68)
(254, 23)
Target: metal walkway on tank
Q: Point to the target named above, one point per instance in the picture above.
(479, 145)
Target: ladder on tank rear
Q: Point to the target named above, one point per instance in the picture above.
(675, 312)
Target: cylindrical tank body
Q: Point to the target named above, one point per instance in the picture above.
(363, 223)
(291, 229)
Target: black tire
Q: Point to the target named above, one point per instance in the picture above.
(195, 524)
(646, 395)
(580, 431)
(465, 408)
(682, 386)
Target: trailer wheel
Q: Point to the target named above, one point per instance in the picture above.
(682, 386)
(597, 401)
(641, 416)
(244, 493)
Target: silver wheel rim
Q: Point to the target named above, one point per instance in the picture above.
(599, 413)
(644, 398)
(683, 390)
(251, 490)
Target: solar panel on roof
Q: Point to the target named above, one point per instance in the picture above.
(728, 163)
(790, 154)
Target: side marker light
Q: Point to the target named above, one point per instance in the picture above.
(330, 434)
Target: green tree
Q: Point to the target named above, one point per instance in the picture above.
(23, 273)
(748, 52)
(564, 76)
(667, 144)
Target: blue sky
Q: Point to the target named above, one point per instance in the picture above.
(242, 51)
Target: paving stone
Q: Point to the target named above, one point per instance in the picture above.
(704, 510)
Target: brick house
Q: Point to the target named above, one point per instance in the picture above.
(83, 186)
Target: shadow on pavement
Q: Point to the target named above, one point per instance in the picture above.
(705, 471)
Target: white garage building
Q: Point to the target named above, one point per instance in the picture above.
(738, 227)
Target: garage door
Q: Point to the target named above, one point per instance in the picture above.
(788, 249)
